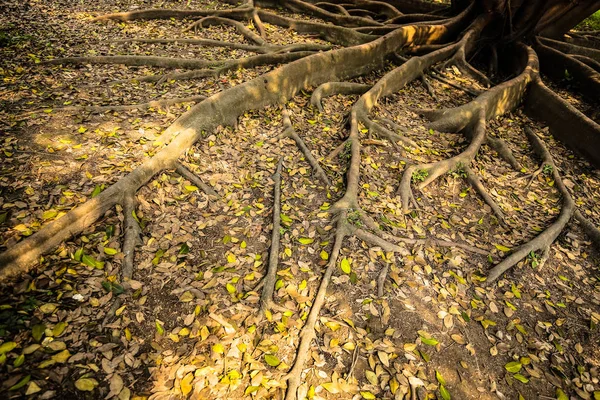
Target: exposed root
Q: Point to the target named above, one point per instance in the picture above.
(436, 169)
(157, 13)
(333, 88)
(150, 61)
(338, 19)
(269, 48)
(478, 186)
(563, 118)
(239, 27)
(307, 334)
(381, 279)
(132, 230)
(439, 76)
(337, 150)
(385, 133)
(266, 297)
(226, 66)
(503, 151)
(549, 235)
(592, 231)
(571, 48)
(150, 104)
(291, 133)
(428, 87)
(387, 245)
(192, 177)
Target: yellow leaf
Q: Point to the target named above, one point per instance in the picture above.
(331, 387)
(230, 258)
(49, 214)
(502, 248)
(367, 395)
(306, 240)
(191, 188)
(186, 384)
(86, 384)
(218, 348)
(61, 357)
(110, 251)
(345, 265)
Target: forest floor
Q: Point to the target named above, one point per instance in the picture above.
(187, 326)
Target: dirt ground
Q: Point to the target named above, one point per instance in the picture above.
(421, 319)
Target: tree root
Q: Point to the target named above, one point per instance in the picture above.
(192, 177)
(150, 104)
(478, 186)
(549, 235)
(266, 49)
(387, 245)
(239, 27)
(290, 132)
(332, 88)
(225, 66)
(307, 334)
(503, 151)
(436, 169)
(266, 297)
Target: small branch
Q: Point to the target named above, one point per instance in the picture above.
(478, 186)
(132, 230)
(190, 176)
(589, 228)
(291, 133)
(503, 151)
(428, 87)
(266, 297)
(239, 27)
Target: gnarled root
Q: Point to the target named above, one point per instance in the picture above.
(549, 235)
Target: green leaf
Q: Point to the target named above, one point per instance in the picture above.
(513, 367)
(520, 378)
(20, 384)
(7, 346)
(89, 261)
(272, 360)
(560, 395)
(439, 377)
(502, 248)
(345, 266)
(110, 251)
(59, 329)
(306, 240)
(78, 254)
(159, 328)
(184, 249)
(445, 393)
(429, 341)
(97, 190)
(19, 361)
(37, 331)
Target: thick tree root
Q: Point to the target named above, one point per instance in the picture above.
(192, 177)
(290, 132)
(333, 88)
(549, 235)
(433, 170)
(221, 109)
(266, 297)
